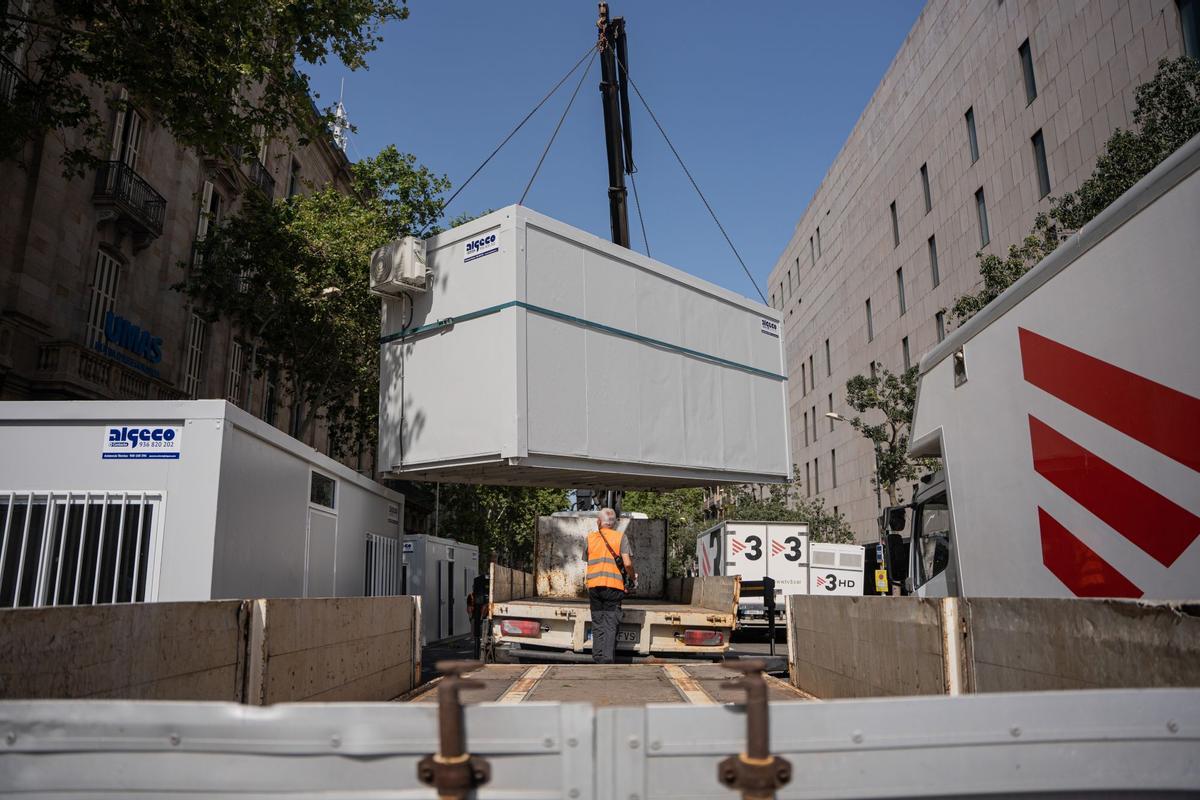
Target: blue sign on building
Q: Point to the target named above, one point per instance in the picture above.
(120, 332)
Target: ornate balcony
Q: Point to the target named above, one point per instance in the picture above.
(70, 370)
(133, 200)
(262, 178)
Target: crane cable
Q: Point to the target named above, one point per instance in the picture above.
(695, 186)
(557, 127)
(637, 202)
(592, 51)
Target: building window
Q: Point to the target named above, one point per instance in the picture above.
(870, 323)
(814, 423)
(270, 394)
(907, 354)
(812, 371)
(773, 305)
(1027, 68)
(210, 210)
(939, 319)
(900, 290)
(981, 209)
(807, 479)
(828, 361)
(322, 490)
(925, 188)
(294, 179)
(812, 252)
(781, 296)
(127, 134)
(806, 429)
(1189, 20)
(933, 262)
(817, 475)
(1043, 169)
(237, 368)
(818, 242)
(194, 360)
(803, 379)
(971, 135)
(830, 411)
(833, 468)
(895, 225)
(873, 370)
(105, 283)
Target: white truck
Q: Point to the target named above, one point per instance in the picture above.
(753, 551)
(1067, 417)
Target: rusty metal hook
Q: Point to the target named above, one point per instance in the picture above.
(755, 772)
(452, 771)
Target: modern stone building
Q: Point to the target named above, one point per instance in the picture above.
(87, 264)
(989, 107)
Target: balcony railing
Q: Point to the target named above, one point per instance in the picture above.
(131, 195)
(262, 178)
(10, 78)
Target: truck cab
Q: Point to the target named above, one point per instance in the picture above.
(932, 569)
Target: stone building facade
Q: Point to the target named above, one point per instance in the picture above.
(87, 265)
(990, 107)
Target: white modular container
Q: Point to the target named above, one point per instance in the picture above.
(441, 572)
(757, 550)
(835, 568)
(543, 355)
(195, 500)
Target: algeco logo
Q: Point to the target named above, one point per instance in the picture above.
(478, 248)
(830, 582)
(135, 441)
(129, 437)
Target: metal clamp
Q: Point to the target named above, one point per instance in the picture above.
(755, 772)
(453, 772)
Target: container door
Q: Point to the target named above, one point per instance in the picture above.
(746, 550)
(708, 553)
(787, 560)
(320, 550)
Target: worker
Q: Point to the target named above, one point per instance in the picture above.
(607, 581)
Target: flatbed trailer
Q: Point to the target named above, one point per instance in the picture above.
(606, 685)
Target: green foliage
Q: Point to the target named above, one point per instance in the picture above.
(292, 277)
(683, 509)
(501, 520)
(182, 61)
(893, 396)
(1167, 115)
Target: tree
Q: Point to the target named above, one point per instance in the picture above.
(1167, 114)
(683, 509)
(215, 73)
(501, 520)
(292, 277)
(894, 397)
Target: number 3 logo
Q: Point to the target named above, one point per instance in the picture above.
(795, 554)
(754, 549)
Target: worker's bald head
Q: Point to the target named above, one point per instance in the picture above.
(608, 518)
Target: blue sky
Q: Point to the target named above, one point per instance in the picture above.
(758, 97)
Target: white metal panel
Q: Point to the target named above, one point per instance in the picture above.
(1127, 298)
(746, 548)
(787, 558)
(614, 363)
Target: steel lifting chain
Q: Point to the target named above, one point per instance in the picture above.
(755, 773)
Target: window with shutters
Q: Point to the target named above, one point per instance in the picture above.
(237, 371)
(106, 280)
(294, 179)
(194, 356)
(127, 134)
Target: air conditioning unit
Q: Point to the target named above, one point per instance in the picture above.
(399, 266)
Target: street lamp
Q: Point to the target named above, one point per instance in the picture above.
(878, 497)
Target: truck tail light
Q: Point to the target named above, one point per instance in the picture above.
(703, 637)
(521, 627)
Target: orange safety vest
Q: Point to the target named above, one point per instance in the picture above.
(602, 572)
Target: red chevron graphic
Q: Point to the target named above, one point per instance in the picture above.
(776, 548)
(736, 546)
(1156, 415)
(1143, 516)
(1078, 566)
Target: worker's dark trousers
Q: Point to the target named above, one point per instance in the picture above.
(606, 618)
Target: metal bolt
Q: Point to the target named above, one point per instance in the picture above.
(633, 743)
(335, 740)
(573, 742)
(1015, 731)
(548, 742)
(1172, 726)
(174, 739)
(857, 737)
(573, 793)
(656, 745)
(10, 737)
